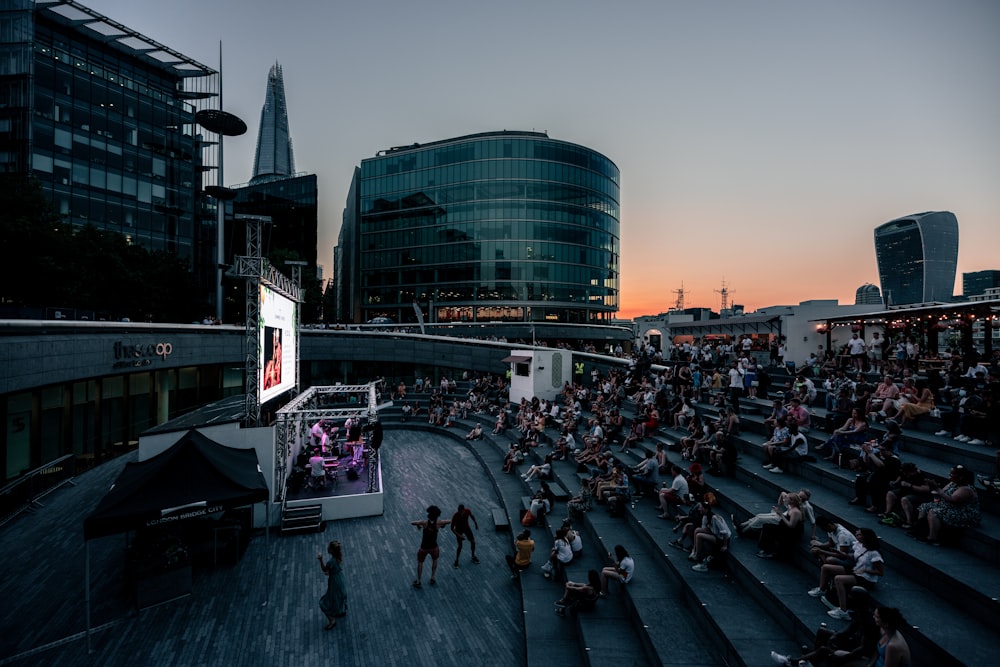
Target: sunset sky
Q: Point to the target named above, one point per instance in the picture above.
(759, 143)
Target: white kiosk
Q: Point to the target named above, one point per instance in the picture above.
(539, 372)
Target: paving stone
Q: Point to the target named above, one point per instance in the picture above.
(473, 615)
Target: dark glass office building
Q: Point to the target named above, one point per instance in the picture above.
(510, 226)
(291, 203)
(975, 283)
(104, 118)
(918, 258)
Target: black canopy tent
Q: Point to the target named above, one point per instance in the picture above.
(195, 477)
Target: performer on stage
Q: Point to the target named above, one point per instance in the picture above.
(318, 432)
(317, 470)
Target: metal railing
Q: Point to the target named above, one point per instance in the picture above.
(23, 494)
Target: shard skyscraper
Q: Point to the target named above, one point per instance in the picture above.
(274, 143)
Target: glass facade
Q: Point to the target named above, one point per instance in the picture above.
(918, 258)
(497, 226)
(274, 155)
(105, 120)
(99, 418)
(977, 282)
(291, 203)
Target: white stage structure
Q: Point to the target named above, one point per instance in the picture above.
(293, 431)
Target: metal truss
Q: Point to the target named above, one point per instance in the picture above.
(294, 418)
(258, 271)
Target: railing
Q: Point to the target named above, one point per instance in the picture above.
(23, 494)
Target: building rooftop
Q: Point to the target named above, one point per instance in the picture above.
(479, 135)
(73, 14)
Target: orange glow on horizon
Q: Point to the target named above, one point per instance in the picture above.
(653, 302)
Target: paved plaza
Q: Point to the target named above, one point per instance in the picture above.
(472, 617)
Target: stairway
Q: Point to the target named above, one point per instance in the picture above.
(309, 517)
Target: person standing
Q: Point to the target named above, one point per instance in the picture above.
(463, 531)
(334, 602)
(856, 348)
(429, 543)
(735, 387)
(875, 350)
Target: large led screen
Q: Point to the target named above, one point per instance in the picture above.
(277, 344)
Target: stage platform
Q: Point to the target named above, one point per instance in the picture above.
(343, 499)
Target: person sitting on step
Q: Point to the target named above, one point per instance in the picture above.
(781, 537)
(758, 521)
(780, 454)
(711, 539)
(578, 595)
(853, 432)
(542, 471)
(676, 495)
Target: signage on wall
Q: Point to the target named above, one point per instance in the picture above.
(137, 355)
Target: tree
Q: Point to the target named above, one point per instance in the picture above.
(48, 263)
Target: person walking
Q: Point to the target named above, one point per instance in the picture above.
(463, 531)
(429, 543)
(334, 601)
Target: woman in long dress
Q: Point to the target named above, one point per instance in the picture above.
(334, 601)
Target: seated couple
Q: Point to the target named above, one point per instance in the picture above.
(787, 444)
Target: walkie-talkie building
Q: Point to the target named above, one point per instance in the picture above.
(274, 143)
(918, 257)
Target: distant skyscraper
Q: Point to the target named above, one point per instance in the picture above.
(274, 143)
(867, 294)
(977, 282)
(918, 257)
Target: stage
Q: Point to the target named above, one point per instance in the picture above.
(343, 499)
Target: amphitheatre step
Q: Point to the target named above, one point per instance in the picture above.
(547, 642)
(948, 593)
(916, 571)
(970, 613)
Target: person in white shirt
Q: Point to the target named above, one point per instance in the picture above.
(596, 433)
(676, 495)
(735, 386)
(838, 548)
(560, 555)
(758, 521)
(856, 348)
(975, 369)
(713, 535)
(875, 349)
(795, 448)
(317, 470)
(622, 571)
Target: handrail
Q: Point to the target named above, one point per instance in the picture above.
(22, 494)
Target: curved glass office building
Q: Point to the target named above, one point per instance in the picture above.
(510, 226)
(918, 257)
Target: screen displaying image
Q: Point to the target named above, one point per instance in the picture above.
(277, 344)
